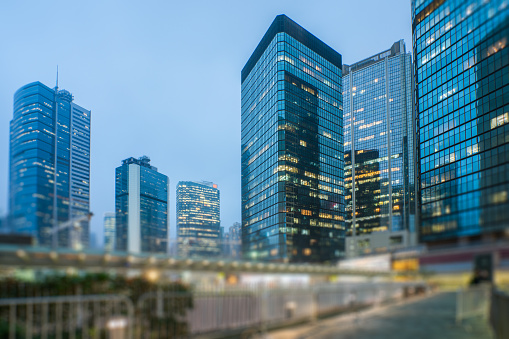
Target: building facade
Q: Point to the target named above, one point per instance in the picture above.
(379, 137)
(141, 207)
(49, 181)
(292, 148)
(462, 103)
(109, 231)
(198, 219)
(232, 242)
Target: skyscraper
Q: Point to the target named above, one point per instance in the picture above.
(109, 231)
(462, 84)
(141, 207)
(235, 240)
(198, 219)
(379, 127)
(292, 148)
(49, 179)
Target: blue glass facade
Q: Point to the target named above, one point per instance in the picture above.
(462, 102)
(141, 207)
(379, 126)
(109, 231)
(292, 148)
(198, 219)
(49, 163)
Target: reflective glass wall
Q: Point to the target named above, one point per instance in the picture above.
(109, 231)
(379, 127)
(462, 99)
(198, 219)
(47, 163)
(141, 203)
(292, 148)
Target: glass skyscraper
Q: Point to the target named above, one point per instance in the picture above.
(198, 219)
(379, 142)
(462, 99)
(141, 207)
(293, 205)
(49, 164)
(109, 231)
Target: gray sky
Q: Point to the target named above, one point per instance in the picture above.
(162, 78)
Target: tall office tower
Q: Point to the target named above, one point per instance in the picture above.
(198, 219)
(379, 143)
(232, 240)
(462, 104)
(49, 180)
(109, 231)
(292, 148)
(142, 195)
(235, 240)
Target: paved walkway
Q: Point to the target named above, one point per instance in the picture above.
(423, 318)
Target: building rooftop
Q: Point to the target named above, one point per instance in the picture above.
(283, 24)
(202, 183)
(396, 48)
(142, 161)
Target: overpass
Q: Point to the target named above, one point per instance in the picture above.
(33, 257)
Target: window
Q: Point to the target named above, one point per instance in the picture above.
(396, 240)
(500, 120)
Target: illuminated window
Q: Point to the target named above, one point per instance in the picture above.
(499, 197)
(303, 143)
(502, 119)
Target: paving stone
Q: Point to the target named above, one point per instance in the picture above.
(426, 318)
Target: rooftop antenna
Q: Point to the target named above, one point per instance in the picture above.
(57, 79)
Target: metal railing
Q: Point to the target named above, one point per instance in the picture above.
(164, 314)
(473, 302)
(499, 314)
(90, 316)
(228, 311)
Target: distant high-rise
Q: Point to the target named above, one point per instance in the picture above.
(234, 244)
(141, 207)
(379, 127)
(292, 148)
(49, 179)
(461, 62)
(198, 219)
(109, 231)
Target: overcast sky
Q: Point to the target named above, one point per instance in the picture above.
(162, 78)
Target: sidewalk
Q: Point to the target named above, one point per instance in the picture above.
(422, 318)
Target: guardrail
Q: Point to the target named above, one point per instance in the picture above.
(499, 314)
(473, 302)
(90, 316)
(183, 314)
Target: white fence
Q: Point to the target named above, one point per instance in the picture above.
(472, 302)
(184, 314)
(67, 317)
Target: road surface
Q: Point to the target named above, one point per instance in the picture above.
(423, 318)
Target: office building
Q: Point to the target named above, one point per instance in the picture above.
(292, 148)
(198, 219)
(141, 207)
(49, 181)
(231, 242)
(109, 231)
(235, 240)
(379, 146)
(462, 103)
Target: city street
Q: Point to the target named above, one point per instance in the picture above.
(424, 318)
